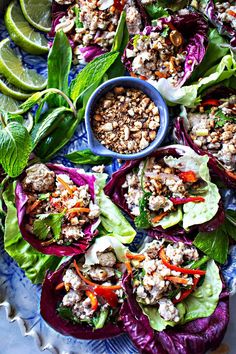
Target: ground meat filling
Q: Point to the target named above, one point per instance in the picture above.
(158, 55)
(155, 284)
(94, 311)
(165, 185)
(226, 13)
(95, 23)
(214, 129)
(51, 194)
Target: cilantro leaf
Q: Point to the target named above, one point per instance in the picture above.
(156, 11)
(47, 223)
(222, 119)
(165, 32)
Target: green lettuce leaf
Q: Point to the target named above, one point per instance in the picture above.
(197, 213)
(32, 262)
(171, 219)
(201, 303)
(112, 220)
(189, 95)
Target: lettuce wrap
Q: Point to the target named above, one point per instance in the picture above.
(66, 301)
(63, 218)
(32, 262)
(168, 211)
(170, 51)
(163, 317)
(209, 129)
(222, 16)
(95, 28)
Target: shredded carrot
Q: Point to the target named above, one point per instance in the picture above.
(160, 74)
(128, 267)
(33, 206)
(89, 282)
(159, 217)
(78, 210)
(177, 280)
(231, 174)
(60, 286)
(143, 77)
(138, 257)
(49, 242)
(65, 185)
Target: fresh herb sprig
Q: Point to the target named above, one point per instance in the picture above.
(222, 119)
(143, 220)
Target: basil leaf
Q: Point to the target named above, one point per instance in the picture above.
(155, 11)
(62, 132)
(48, 223)
(59, 64)
(173, 5)
(121, 37)
(86, 156)
(78, 23)
(31, 101)
(92, 72)
(214, 244)
(49, 123)
(230, 223)
(143, 220)
(15, 148)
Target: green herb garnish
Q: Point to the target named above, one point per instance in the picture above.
(165, 32)
(143, 220)
(222, 119)
(48, 223)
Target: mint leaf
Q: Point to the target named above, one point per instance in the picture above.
(156, 11)
(92, 73)
(86, 156)
(47, 223)
(59, 64)
(15, 148)
(214, 244)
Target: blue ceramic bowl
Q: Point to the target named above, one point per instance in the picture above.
(130, 82)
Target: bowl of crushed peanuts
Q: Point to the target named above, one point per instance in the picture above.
(126, 118)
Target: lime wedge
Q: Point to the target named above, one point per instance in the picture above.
(37, 13)
(8, 104)
(12, 68)
(22, 33)
(11, 90)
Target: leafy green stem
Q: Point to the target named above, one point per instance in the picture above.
(4, 123)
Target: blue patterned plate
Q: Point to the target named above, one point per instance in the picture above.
(21, 298)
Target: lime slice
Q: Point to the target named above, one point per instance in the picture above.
(22, 33)
(11, 90)
(9, 104)
(38, 13)
(12, 68)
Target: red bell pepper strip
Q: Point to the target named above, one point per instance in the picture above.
(188, 176)
(91, 283)
(186, 293)
(231, 13)
(119, 5)
(166, 262)
(109, 295)
(93, 299)
(210, 102)
(179, 201)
